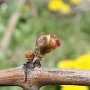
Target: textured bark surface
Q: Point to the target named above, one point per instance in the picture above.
(38, 77)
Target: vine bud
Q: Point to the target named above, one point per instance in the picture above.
(29, 55)
(47, 43)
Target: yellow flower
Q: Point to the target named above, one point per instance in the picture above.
(83, 62)
(59, 5)
(74, 87)
(64, 8)
(75, 1)
(54, 5)
(66, 64)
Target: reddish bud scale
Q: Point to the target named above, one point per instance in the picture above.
(40, 42)
(55, 41)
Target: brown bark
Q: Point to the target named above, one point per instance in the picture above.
(39, 77)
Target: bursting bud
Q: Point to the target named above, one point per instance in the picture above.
(47, 43)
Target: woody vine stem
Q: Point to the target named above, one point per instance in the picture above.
(31, 76)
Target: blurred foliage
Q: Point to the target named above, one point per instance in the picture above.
(82, 62)
(73, 30)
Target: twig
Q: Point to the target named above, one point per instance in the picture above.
(9, 30)
(38, 77)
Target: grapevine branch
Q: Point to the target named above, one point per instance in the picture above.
(38, 77)
(31, 76)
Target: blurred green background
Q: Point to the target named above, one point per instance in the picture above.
(33, 17)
